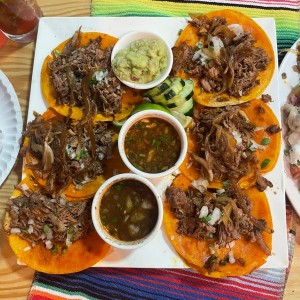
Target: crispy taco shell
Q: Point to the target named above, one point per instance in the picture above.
(271, 152)
(82, 254)
(190, 37)
(129, 97)
(194, 252)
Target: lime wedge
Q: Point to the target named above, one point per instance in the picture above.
(140, 107)
(149, 105)
(185, 121)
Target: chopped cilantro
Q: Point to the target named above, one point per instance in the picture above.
(180, 31)
(286, 152)
(265, 163)
(93, 80)
(199, 45)
(265, 141)
(57, 53)
(226, 183)
(54, 249)
(46, 228)
(206, 219)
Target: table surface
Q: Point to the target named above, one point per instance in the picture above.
(16, 62)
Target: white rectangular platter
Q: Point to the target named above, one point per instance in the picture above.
(159, 252)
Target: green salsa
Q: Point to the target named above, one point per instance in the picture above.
(129, 210)
(142, 61)
(152, 145)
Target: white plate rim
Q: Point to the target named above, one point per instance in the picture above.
(12, 100)
(52, 31)
(292, 186)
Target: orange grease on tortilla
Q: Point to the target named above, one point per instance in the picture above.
(195, 252)
(129, 98)
(189, 36)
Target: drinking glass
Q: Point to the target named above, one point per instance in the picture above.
(19, 19)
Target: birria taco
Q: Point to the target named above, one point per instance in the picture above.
(240, 142)
(77, 79)
(51, 235)
(66, 156)
(218, 233)
(227, 54)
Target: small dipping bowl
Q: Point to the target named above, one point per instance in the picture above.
(126, 40)
(119, 215)
(161, 145)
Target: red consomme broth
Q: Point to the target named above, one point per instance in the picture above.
(152, 145)
(129, 210)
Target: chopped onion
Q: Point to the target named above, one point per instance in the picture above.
(237, 136)
(68, 242)
(48, 244)
(15, 230)
(27, 248)
(200, 184)
(236, 28)
(203, 212)
(231, 257)
(30, 229)
(101, 75)
(215, 216)
(30, 221)
(218, 44)
(256, 146)
(199, 53)
(25, 187)
(230, 245)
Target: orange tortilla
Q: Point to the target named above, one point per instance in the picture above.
(129, 98)
(271, 151)
(194, 252)
(82, 254)
(189, 36)
(71, 192)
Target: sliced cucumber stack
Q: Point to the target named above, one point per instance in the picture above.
(174, 93)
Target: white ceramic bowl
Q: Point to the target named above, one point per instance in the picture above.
(103, 233)
(152, 114)
(130, 37)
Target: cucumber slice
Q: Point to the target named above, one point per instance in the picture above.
(186, 108)
(185, 94)
(159, 89)
(176, 86)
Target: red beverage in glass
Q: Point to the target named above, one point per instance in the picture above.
(19, 19)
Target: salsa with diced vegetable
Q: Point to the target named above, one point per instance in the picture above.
(152, 145)
(129, 210)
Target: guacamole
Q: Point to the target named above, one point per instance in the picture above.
(142, 61)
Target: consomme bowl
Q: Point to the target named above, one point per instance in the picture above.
(152, 143)
(138, 62)
(127, 211)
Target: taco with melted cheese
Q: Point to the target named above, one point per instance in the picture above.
(228, 55)
(66, 156)
(77, 79)
(51, 235)
(219, 233)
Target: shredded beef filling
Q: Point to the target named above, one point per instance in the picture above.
(63, 151)
(235, 220)
(40, 219)
(226, 62)
(74, 78)
(224, 141)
